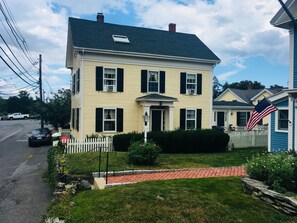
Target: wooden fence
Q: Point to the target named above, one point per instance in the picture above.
(89, 145)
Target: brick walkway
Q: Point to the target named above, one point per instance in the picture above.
(197, 173)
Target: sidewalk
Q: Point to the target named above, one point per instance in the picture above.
(197, 173)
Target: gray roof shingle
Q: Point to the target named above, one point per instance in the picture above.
(96, 35)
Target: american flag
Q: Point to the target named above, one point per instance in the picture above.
(262, 109)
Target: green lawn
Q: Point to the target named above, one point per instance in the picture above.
(88, 162)
(216, 200)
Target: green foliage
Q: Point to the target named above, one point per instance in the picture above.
(243, 85)
(140, 153)
(53, 153)
(178, 141)
(216, 87)
(57, 110)
(277, 170)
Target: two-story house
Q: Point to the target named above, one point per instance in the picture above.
(234, 106)
(119, 73)
(282, 134)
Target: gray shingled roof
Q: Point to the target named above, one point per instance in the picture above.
(246, 95)
(281, 18)
(95, 35)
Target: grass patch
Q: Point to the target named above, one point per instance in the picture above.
(183, 200)
(88, 162)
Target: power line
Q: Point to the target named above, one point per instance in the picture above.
(15, 71)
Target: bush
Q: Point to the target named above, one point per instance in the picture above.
(276, 170)
(52, 175)
(140, 153)
(178, 141)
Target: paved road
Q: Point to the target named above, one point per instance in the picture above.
(24, 196)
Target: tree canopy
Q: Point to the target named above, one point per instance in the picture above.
(244, 85)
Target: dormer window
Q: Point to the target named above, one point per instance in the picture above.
(120, 39)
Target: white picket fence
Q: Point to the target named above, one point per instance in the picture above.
(89, 145)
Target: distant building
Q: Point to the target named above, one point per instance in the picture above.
(234, 106)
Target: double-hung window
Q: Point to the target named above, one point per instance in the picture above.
(153, 81)
(109, 120)
(242, 118)
(109, 79)
(190, 119)
(282, 119)
(191, 83)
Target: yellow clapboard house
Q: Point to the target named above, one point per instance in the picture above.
(234, 106)
(120, 73)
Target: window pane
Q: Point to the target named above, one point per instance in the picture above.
(153, 76)
(190, 124)
(191, 78)
(242, 118)
(283, 119)
(153, 87)
(109, 126)
(191, 114)
(109, 114)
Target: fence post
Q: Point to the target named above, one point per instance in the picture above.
(106, 174)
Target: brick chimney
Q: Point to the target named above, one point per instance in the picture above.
(100, 17)
(172, 27)
(250, 87)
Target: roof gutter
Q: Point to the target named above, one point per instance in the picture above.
(146, 55)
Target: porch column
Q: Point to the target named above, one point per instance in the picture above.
(290, 126)
(170, 118)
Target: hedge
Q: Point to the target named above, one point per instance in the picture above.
(178, 141)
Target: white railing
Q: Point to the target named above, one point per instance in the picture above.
(89, 145)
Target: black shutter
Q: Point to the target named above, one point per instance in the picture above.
(120, 119)
(238, 119)
(78, 81)
(99, 119)
(77, 119)
(73, 84)
(199, 83)
(120, 80)
(198, 118)
(182, 119)
(183, 77)
(162, 81)
(143, 81)
(99, 78)
(72, 118)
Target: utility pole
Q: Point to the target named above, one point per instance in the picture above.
(40, 91)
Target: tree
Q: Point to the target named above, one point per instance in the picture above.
(244, 85)
(216, 87)
(3, 106)
(276, 86)
(57, 111)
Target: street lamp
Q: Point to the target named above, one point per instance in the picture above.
(145, 119)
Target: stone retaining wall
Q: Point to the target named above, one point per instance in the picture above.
(277, 200)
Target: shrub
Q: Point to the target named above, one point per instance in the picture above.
(178, 141)
(140, 153)
(52, 154)
(276, 170)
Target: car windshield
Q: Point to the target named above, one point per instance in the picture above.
(37, 131)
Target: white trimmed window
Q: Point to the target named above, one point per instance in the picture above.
(282, 120)
(109, 120)
(190, 119)
(109, 79)
(191, 83)
(153, 81)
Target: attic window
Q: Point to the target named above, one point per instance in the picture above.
(120, 39)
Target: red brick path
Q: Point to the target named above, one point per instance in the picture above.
(198, 173)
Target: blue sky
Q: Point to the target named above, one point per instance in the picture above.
(238, 32)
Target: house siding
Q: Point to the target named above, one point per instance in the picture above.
(295, 61)
(133, 113)
(279, 140)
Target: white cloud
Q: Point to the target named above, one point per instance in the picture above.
(234, 30)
